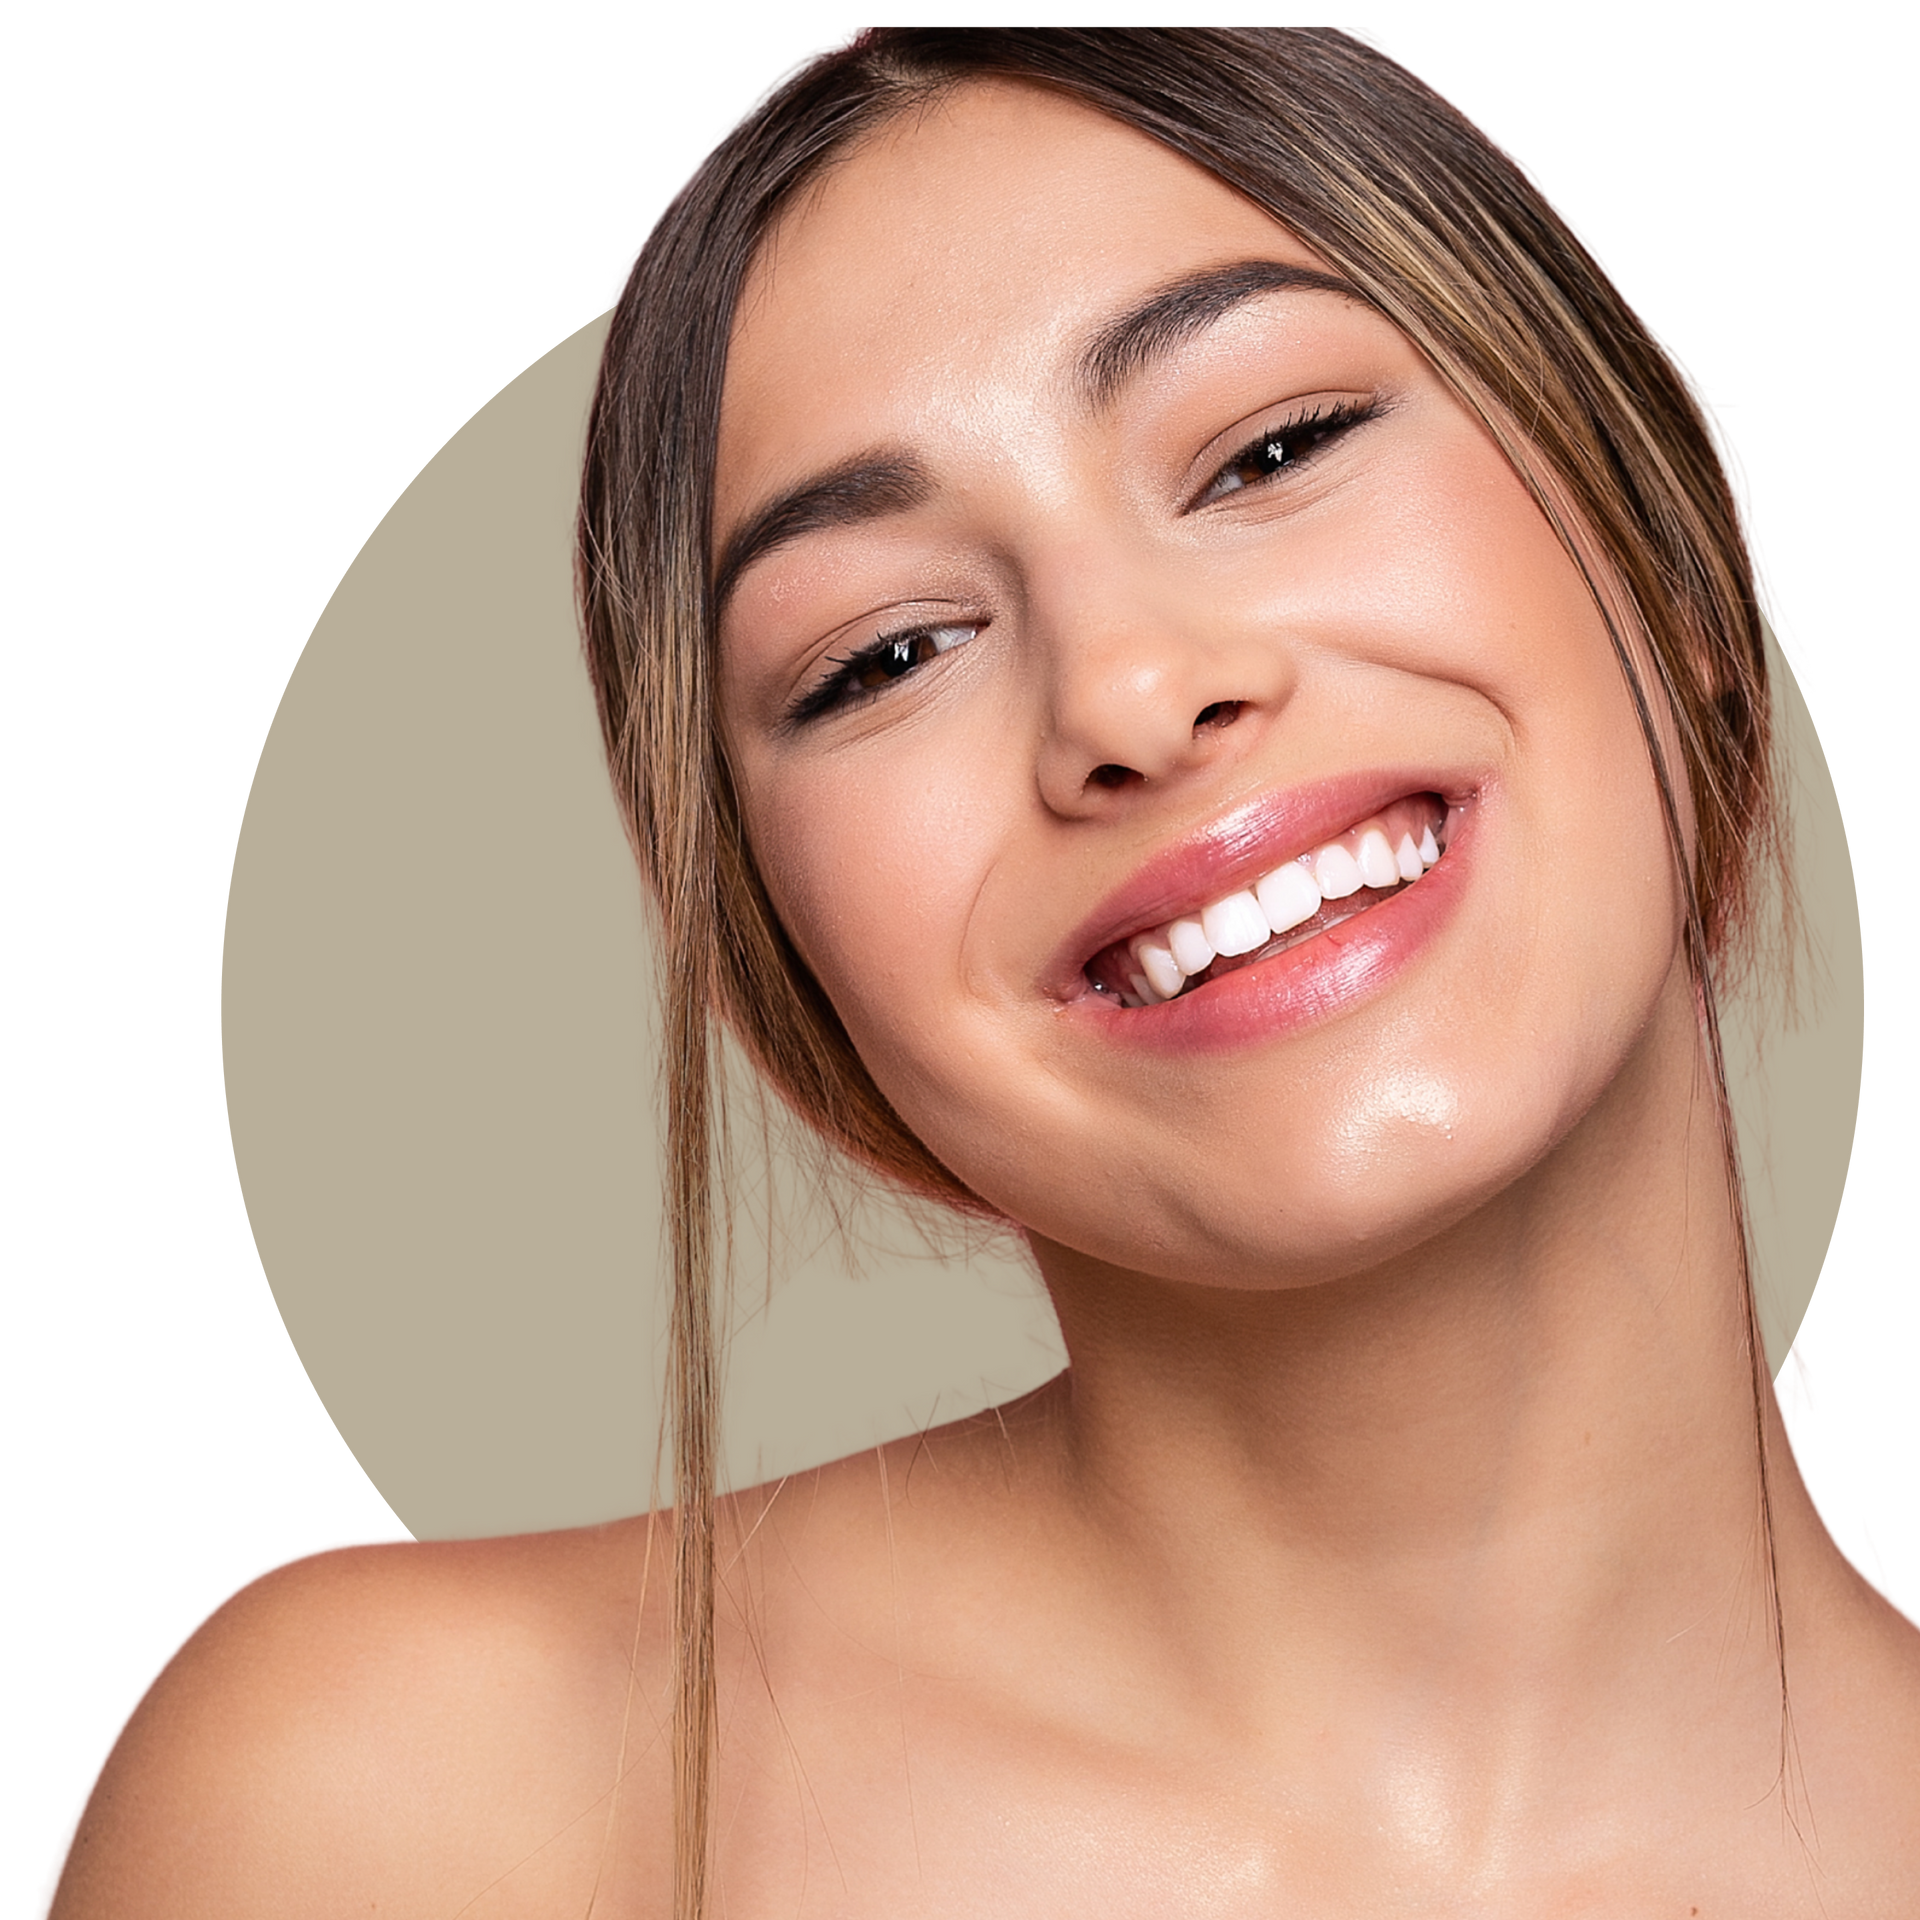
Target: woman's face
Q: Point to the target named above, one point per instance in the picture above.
(1097, 582)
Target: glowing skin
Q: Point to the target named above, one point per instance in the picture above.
(1439, 1442)
(1390, 1548)
(1392, 605)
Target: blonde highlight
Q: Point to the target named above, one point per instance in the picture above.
(1436, 228)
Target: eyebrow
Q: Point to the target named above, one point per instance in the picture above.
(867, 487)
(1125, 347)
(872, 485)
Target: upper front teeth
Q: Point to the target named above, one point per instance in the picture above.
(1235, 924)
(1375, 860)
(1287, 896)
(1167, 957)
(1336, 872)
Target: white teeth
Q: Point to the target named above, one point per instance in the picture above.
(1235, 925)
(1374, 857)
(1166, 958)
(1336, 872)
(1163, 972)
(1190, 946)
(1287, 896)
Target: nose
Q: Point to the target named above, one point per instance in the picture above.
(1145, 688)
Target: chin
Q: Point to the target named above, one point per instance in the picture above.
(1403, 1155)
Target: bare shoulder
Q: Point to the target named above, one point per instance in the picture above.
(422, 1729)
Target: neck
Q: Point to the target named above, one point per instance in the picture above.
(1503, 1465)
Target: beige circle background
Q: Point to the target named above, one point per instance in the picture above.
(438, 1009)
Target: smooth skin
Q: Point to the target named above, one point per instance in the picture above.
(1391, 1546)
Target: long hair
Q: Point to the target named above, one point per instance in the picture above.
(1448, 240)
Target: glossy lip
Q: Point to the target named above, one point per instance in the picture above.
(1234, 851)
(1330, 974)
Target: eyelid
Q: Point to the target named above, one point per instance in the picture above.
(833, 692)
(1339, 410)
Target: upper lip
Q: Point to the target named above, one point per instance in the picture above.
(1231, 851)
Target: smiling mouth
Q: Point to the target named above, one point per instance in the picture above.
(1333, 882)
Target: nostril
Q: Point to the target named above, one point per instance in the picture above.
(1110, 775)
(1223, 713)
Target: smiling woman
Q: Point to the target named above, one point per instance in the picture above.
(1216, 603)
(1184, 676)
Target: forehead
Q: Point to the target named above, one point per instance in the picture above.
(941, 278)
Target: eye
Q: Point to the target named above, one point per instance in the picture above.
(1292, 443)
(887, 658)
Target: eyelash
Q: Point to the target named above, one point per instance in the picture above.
(1290, 444)
(892, 656)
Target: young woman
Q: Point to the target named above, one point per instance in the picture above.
(1184, 677)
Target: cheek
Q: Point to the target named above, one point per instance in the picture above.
(874, 862)
(1476, 561)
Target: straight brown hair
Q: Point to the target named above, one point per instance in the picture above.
(1445, 237)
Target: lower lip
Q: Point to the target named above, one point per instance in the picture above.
(1320, 979)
